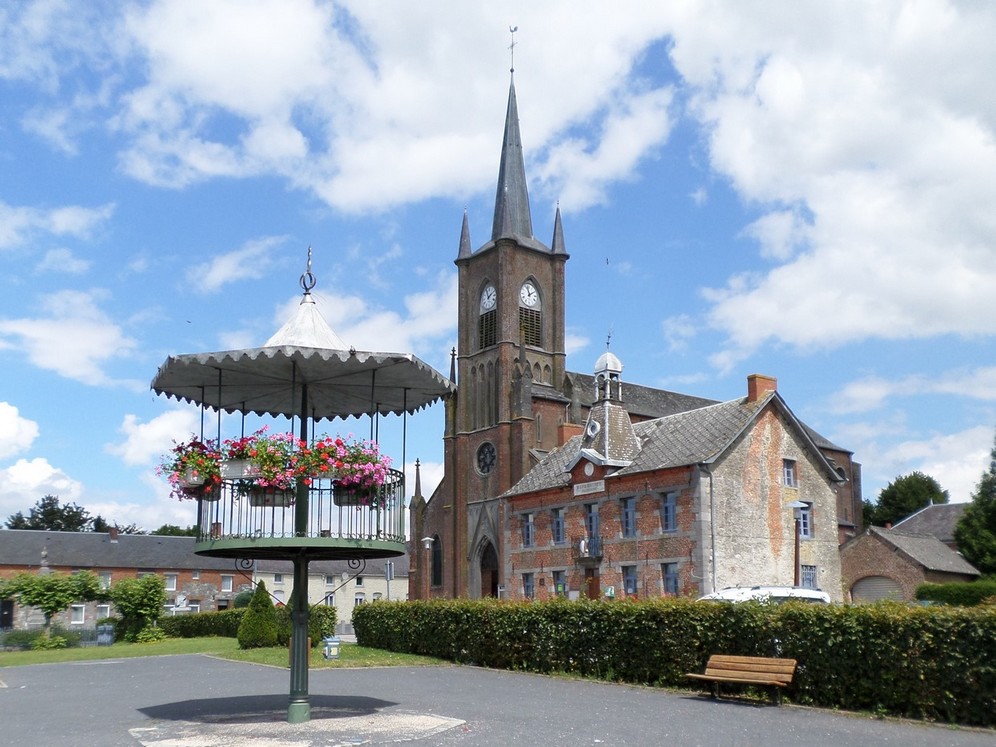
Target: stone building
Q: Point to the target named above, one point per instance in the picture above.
(890, 564)
(519, 414)
(193, 583)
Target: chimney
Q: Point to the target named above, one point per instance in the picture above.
(112, 532)
(567, 431)
(758, 385)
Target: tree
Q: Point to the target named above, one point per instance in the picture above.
(48, 514)
(906, 495)
(139, 601)
(99, 524)
(976, 531)
(172, 530)
(52, 592)
(258, 628)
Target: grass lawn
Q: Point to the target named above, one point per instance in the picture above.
(350, 654)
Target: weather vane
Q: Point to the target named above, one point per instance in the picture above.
(511, 47)
(308, 279)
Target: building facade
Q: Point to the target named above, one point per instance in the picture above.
(518, 413)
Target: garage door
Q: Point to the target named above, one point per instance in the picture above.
(873, 588)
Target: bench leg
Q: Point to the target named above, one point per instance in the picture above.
(715, 690)
(778, 696)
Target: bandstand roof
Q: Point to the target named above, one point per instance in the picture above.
(269, 380)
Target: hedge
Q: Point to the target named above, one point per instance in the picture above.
(967, 594)
(935, 663)
(321, 622)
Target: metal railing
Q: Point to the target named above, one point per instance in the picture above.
(239, 510)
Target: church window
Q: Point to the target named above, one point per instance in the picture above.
(437, 561)
(487, 329)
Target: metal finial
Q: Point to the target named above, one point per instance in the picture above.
(511, 48)
(308, 279)
(608, 339)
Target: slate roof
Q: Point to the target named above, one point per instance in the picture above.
(937, 520)
(926, 550)
(644, 401)
(693, 437)
(89, 550)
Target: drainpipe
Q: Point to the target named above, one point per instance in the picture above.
(712, 528)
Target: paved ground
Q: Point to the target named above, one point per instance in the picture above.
(199, 701)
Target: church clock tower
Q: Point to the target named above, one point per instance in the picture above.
(510, 356)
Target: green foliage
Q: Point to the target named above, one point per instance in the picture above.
(242, 599)
(150, 634)
(140, 602)
(52, 592)
(172, 530)
(49, 514)
(258, 628)
(223, 623)
(968, 594)
(321, 622)
(976, 532)
(43, 643)
(904, 660)
(904, 496)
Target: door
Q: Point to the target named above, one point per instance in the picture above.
(874, 588)
(592, 586)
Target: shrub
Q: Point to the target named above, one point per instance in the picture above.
(904, 660)
(258, 628)
(44, 642)
(968, 594)
(150, 634)
(223, 623)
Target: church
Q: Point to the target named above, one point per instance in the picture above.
(559, 483)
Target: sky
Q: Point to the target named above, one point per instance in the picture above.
(803, 190)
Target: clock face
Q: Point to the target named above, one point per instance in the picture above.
(489, 298)
(528, 295)
(486, 457)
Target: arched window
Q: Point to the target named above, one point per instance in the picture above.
(487, 320)
(437, 561)
(530, 315)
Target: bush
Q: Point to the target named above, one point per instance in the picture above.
(44, 642)
(242, 599)
(321, 623)
(150, 634)
(223, 623)
(903, 660)
(258, 628)
(20, 639)
(968, 594)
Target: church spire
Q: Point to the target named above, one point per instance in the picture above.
(465, 249)
(557, 246)
(512, 216)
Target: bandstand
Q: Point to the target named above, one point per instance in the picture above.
(304, 373)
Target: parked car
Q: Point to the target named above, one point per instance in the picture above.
(769, 594)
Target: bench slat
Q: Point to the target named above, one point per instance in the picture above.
(748, 670)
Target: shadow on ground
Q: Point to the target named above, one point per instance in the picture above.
(262, 708)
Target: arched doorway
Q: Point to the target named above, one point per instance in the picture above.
(489, 570)
(874, 588)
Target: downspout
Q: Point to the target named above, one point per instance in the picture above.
(712, 528)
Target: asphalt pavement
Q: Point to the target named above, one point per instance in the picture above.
(201, 701)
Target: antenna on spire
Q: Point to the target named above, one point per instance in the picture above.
(511, 48)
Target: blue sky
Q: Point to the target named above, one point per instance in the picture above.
(804, 190)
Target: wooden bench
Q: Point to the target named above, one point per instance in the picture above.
(748, 670)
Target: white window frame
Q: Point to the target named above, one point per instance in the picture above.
(278, 578)
(103, 610)
(227, 583)
(806, 522)
(790, 473)
(170, 581)
(359, 598)
(105, 580)
(77, 614)
(809, 577)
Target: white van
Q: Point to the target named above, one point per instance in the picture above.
(768, 594)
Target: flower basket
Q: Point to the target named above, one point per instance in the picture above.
(355, 495)
(192, 470)
(238, 469)
(273, 497)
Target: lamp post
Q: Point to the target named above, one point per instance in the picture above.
(427, 544)
(797, 507)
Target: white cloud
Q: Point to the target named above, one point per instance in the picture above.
(146, 442)
(62, 260)
(74, 338)
(252, 260)
(16, 433)
(845, 113)
(27, 481)
(872, 392)
(19, 225)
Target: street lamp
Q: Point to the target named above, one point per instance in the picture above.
(427, 544)
(797, 507)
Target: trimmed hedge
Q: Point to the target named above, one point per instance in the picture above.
(321, 622)
(935, 663)
(968, 594)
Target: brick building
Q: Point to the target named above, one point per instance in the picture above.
(193, 583)
(519, 415)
